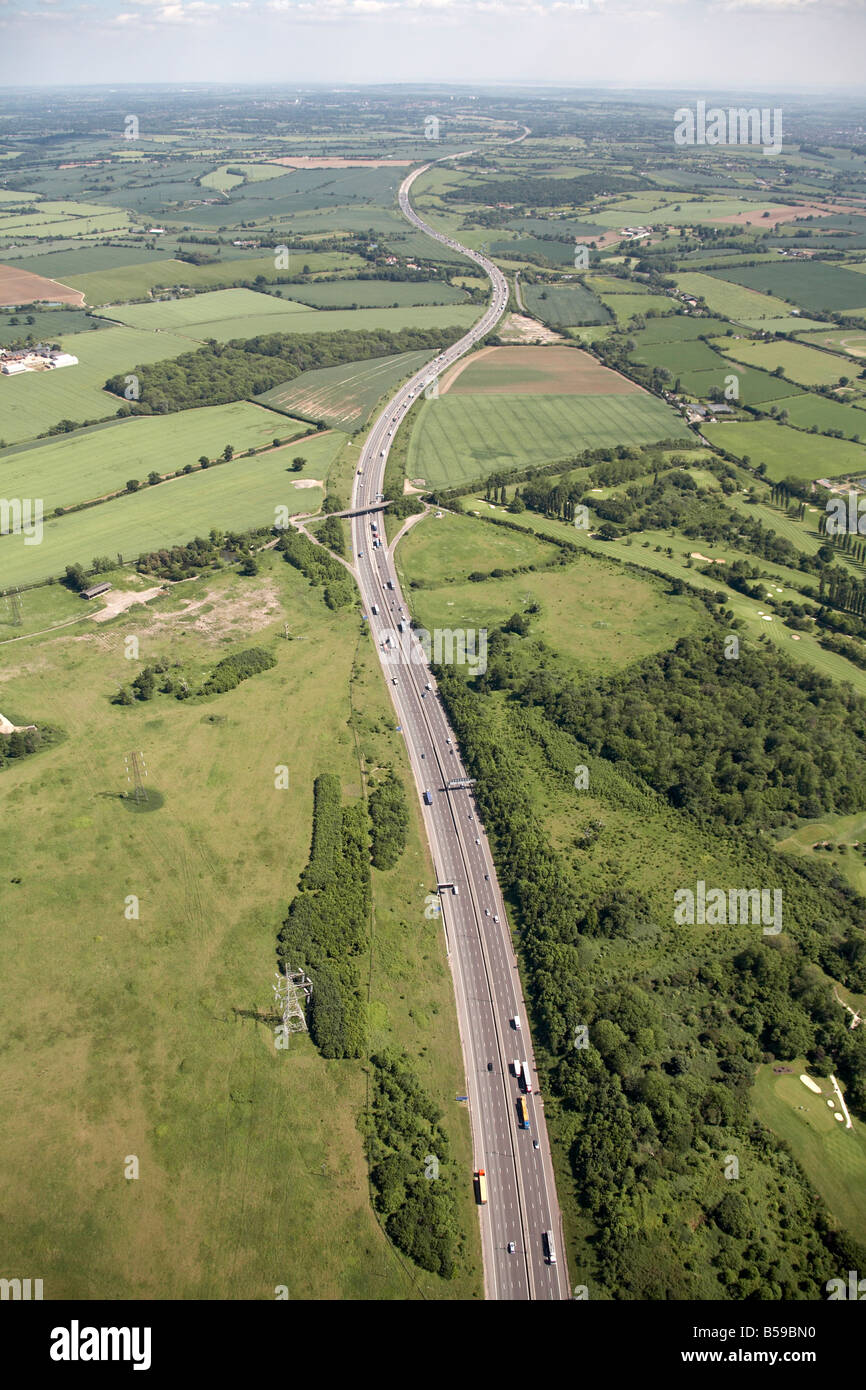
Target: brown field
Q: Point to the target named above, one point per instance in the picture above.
(23, 287)
(524, 329)
(538, 371)
(306, 161)
(782, 214)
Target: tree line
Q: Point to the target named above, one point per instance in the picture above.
(218, 373)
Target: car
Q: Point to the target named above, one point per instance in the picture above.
(360, 554)
(489, 1066)
(495, 918)
(477, 841)
(487, 912)
(515, 1022)
(487, 876)
(535, 1143)
(511, 1247)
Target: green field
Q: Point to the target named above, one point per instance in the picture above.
(809, 410)
(461, 438)
(790, 453)
(67, 227)
(804, 365)
(809, 284)
(344, 397)
(445, 550)
(754, 387)
(650, 553)
(234, 496)
(678, 328)
(847, 340)
(374, 294)
(625, 306)
(239, 313)
(833, 1157)
(166, 1049)
(595, 613)
(34, 401)
(197, 310)
(79, 467)
(564, 305)
(730, 300)
(49, 325)
(135, 281)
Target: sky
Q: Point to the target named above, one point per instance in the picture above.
(695, 44)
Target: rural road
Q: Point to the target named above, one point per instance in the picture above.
(491, 1010)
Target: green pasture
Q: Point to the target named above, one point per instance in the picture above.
(233, 496)
(34, 401)
(804, 365)
(789, 452)
(79, 467)
(167, 1045)
(345, 396)
(730, 300)
(460, 438)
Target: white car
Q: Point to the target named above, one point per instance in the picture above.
(511, 1247)
(515, 1022)
(495, 918)
(487, 912)
(477, 841)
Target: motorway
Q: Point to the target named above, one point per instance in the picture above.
(491, 1012)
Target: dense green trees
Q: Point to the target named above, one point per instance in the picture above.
(319, 566)
(217, 373)
(650, 1054)
(326, 926)
(411, 1171)
(389, 814)
(21, 742)
(233, 669)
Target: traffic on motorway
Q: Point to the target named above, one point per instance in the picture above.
(520, 1221)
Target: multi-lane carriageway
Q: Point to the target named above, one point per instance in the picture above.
(522, 1201)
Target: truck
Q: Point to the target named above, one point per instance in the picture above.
(401, 625)
(527, 1079)
(428, 797)
(389, 584)
(481, 1186)
(516, 1066)
(550, 1247)
(523, 1112)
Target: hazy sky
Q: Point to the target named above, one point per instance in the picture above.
(682, 43)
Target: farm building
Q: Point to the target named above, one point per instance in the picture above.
(95, 590)
(35, 359)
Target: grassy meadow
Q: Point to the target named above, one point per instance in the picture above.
(149, 1036)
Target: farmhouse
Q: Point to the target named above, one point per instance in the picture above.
(35, 360)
